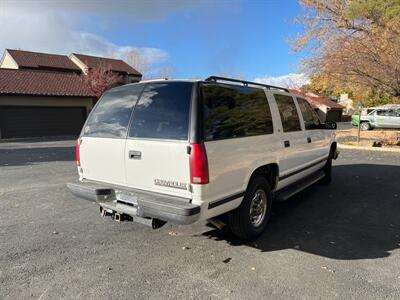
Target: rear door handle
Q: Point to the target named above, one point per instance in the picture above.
(308, 140)
(133, 154)
(287, 144)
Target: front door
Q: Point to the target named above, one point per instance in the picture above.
(294, 156)
(317, 142)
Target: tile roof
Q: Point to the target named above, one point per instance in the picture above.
(116, 65)
(30, 82)
(317, 100)
(36, 60)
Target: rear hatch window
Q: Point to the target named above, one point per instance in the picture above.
(162, 111)
(111, 115)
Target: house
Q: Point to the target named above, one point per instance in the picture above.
(327, 109)
(44, 95)
(42, 103)
(75, 63)
(347, 103)
(87, 62)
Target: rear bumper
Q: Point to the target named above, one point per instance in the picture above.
(137, 203)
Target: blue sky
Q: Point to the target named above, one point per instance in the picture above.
(196, 38)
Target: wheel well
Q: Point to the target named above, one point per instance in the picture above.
(269, 172)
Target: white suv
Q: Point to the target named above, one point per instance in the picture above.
(182, 151)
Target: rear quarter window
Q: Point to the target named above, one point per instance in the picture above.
(235, 111)
(110, 117)
(162, 111)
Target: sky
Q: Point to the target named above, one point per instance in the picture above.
(194, 38)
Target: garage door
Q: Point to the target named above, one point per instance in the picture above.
(30, 121)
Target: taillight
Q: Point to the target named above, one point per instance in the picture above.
(198, 164)
(77, 152)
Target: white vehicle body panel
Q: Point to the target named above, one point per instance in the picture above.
(161, 160)
(103, 159)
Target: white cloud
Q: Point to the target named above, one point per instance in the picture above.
(40, 26)
(291, 80)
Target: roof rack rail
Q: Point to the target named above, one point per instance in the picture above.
(391, 105)
(246, 83)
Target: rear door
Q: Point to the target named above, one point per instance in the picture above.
(102, 149)
(156, 150)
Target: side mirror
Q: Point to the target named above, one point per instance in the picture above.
(330, 125)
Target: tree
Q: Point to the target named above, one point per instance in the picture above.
(101, 78)
(354, 44)
(166, 72)
(138, 61)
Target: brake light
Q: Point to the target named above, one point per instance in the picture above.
(198, 164)
(77, 152)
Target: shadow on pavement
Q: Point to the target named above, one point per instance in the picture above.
(356, 217)
(29, 156)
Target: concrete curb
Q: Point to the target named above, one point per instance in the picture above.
(378, 149)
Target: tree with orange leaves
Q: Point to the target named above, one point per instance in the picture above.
(354, 45)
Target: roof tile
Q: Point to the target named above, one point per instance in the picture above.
(116, 65)
(36, 60)
(316, 100)
(29, 82)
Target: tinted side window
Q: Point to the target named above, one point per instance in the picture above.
(287, 110)
(163, 111)
(382, 113)
(310, 117)
(235, 111)
(111, 115)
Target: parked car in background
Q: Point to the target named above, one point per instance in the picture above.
(187, 150)
(355, 118)
(387, 116)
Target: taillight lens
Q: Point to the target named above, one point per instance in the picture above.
(77, 152)
(198, 164)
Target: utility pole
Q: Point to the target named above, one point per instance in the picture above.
(360, 106)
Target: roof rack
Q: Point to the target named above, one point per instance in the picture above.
(391, 105)
(246, 83)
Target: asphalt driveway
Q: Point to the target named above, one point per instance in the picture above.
(340, 241)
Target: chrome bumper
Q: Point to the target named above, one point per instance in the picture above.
(136, 203)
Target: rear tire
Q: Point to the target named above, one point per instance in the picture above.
(250, 219)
